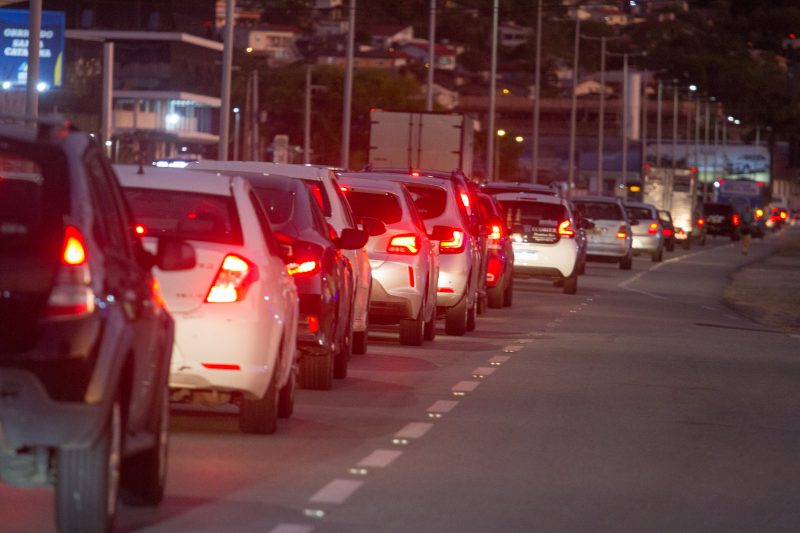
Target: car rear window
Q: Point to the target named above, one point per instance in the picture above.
(429, 201)
(600, 210)
(530, 213)
(640, 213)
(278, 204)
(718, 209)
(383, 206)
(186, 215)
(32, 201)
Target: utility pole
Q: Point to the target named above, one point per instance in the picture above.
(675, 111)
(237, 127)
(255, 149)
(537, 96)
(348, 87)
(34, 37)
(659, 106)
(307, 119)
(644, 128)
(601, 119)
(707, 181)
(626, 98)
(431, 56)
(227, 66)
(490, 133)
(107, 112)
(574, 109)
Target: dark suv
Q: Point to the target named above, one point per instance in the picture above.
(722, 219)
(85, 340)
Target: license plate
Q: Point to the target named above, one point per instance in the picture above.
(527, 255)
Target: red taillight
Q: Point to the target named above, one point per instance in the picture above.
(667, 232)
(313, 323)
(446, 290)
(304, 267)
(622, 232)
(221, 366)
(565, 229)
(497, 233)
(233, 279)
(74, 253)
(652, 229)
(735, 219)
(140, 230)
(71, 295)
(784, 215)
(701, 222)
(404, 244)
(411, 280)
(453, 245)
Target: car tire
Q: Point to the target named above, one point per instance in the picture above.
(316, 371)
(571, 284)
(261, 415)
(626, 262)
(481, 307)
(87, 479)
(143, 476)
(495, 295)
(359, 342)
(509, 294)
(658, 256)
(455, 320)
(472, 315)
(430, 326)
(286, 395)
(582, 267)
(342, 358)
(412, 331)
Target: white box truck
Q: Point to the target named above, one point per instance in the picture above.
(677, 193)
(416, 140)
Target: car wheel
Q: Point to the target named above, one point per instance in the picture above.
(571, 284)
(342, 358)
(261, 415)
(455, 320)
(495, 295)
(509, 294)
(658, 256)
(286, 396)
(144, 475)
(359, 342)
(481, 307)
(626, 262)
(472, 315)
(87, 479)
(412, 330)
(582, 267)
(430, 326)
(316, 371)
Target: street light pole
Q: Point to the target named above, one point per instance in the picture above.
(659, 105)
(500, 134)
(307, 119)
(537, 95)
(431, 56)
(237, 125)
(601, 120)
(348, 87)
(626, 98)
(574, 109)
(492, 97)
(227, 65)
(34, 33)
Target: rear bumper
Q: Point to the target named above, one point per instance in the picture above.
(646, 243)
(611, 249)
(29, 417)
(397, 305)
(557, 261)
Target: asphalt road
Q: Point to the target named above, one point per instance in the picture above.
(643, 403)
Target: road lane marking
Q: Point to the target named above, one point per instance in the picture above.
(414, 430)
(524, 341)
(379, 459)
(442, 406)
(337, 491)
(499, 359)
(482, 372)
(465, 386)
(292, 528)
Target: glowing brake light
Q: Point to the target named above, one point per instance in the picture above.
(735, 219)
(74, 250)
(701, 222)
(234, 277)
(221, 366)
(305, 267)
(454, 245)
(415, 174)
(464, 199)
(653, 228)
(344, 189)
(497, 233)
(404, 244)
(140, 230)
(667, 232)
(622, 232)
(784, 215)
(565, 229)
(759, 213)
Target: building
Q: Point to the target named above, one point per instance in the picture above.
(445, 56)
(512, 35)
(276, 43)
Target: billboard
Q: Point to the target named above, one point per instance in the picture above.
(714, 162)
(14, 47)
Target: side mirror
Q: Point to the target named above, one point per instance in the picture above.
(352, 239)
(174, 254)
(373, 226)
(441, 233)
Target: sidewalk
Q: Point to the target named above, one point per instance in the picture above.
(768, 290)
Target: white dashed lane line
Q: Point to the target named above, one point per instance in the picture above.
(292, 528)
(336, 492)
(511, 348)
(414, 430)
(442, 406)
(465, 386)
(379, 459)
(498, 360)
(482, 371)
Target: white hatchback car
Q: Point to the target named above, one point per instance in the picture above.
(404, 259)
(611, 236)
(543, 234)
(337, 212)
(236, 311)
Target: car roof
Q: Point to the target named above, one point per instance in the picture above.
(520, 186)
(530, 197)
(639, 204)
(607, 199)
(171, 179)
(365, 183)
(311, 172)
(403, 178)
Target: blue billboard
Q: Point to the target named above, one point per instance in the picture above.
(14, 49)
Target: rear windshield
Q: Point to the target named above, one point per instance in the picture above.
(186, 215)
(32, 203)
(639, 213)
(600, 210)
(718, 209)
(279, 204)
(383, 206)
(429, 201)
(532, 213)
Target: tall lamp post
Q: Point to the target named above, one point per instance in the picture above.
(237, 126)
(500, 134)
